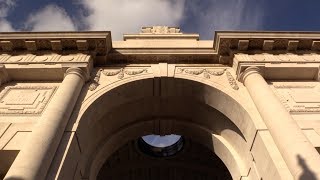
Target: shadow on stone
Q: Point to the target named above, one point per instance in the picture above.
(13, 178)
(307, 173)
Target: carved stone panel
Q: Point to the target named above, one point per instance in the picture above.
(299, 97)
(209, 73)
(206, 72)
(48, 58)
(25, 99)
(288, 57)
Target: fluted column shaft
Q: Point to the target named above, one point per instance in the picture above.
(289, 138)
(33, 161)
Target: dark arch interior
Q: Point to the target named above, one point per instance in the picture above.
(194, 162)
(182, 106)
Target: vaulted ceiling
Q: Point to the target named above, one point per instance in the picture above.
(194, 162)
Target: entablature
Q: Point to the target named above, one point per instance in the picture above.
(47, 55)
(98, 42)
(279, 54)
(280, 66)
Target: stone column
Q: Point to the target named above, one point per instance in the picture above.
(33, 161)
(294, 147)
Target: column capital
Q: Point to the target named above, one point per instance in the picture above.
(248, 71)
(77, 71)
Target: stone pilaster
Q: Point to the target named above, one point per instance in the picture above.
(290, 140)
(35, 158)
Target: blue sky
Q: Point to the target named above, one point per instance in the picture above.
(127, 16)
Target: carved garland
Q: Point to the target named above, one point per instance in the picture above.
(123, 71)
(206, 72)
(95, 82)
(232, 81)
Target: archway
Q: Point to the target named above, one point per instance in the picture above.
(209, 113)
(194, 161)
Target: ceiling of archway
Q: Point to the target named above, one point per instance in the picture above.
(195, 161)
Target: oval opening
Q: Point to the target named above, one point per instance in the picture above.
(161, 146)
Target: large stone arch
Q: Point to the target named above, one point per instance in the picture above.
(231, 134)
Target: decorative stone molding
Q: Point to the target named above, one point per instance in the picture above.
(288, 57)
(79, 72)
(232, 81)
(25, 100)
(280, 66)
(121, 72)
(243, 45)
(160, 30)
(318, 78)
(95, 81)
(50, 58)
(4, 77)
(292, 45)
(298, 97)
(197, 71)
(31, 45)
(248, 71)
(268, 45)
(282, 41)
(6, 45)
(98, 42)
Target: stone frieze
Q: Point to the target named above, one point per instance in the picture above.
(50, 58)
(124, 71)
(288, 57)
(208, 72)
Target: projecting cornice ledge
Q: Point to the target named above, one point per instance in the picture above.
(228, 42)
(97, 42)
(279, 55)
(280, 66)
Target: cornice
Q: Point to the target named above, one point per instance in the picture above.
(265, 41)
(281, 55)
(263, 47)
(225, 45)
(97, 42)
(280, 66)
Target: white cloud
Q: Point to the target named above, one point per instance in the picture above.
(226, 15)
(5, 26)
(5, 7)
(50, 18)
(128, 16)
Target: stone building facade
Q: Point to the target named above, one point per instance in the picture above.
(73, 105)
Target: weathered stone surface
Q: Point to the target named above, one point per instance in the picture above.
(73, 105)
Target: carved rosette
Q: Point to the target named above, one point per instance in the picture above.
(206, 72)
(232, 81)
(121, 72)
(95, 81)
